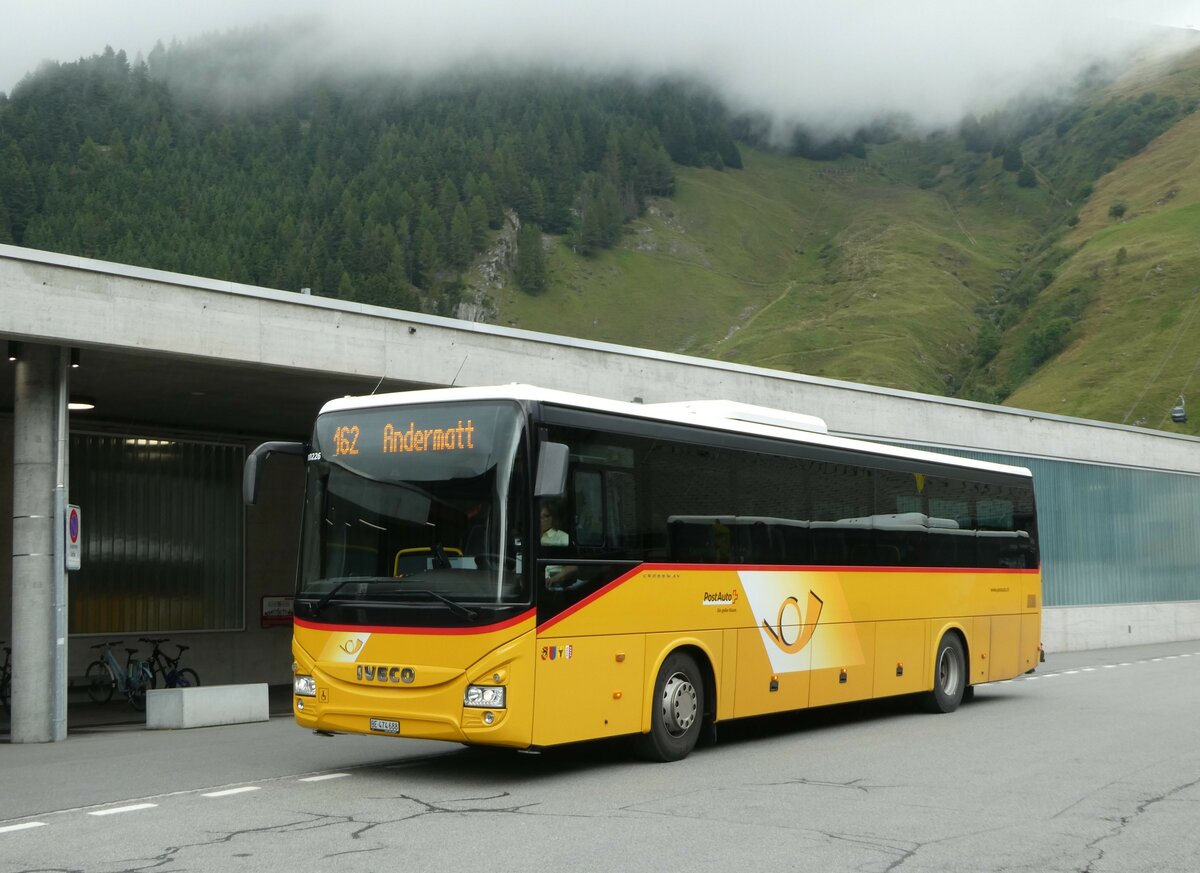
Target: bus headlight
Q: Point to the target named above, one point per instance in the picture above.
(304, 686)
(485, 696)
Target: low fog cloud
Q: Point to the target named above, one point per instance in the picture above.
(832, 65)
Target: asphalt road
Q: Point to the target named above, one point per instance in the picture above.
(1092, 764)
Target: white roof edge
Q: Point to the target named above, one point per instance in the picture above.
(676, 413)
(734, 410)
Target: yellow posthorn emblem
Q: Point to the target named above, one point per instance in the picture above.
(350, 647)
(807, 628)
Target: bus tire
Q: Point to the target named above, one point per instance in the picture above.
(949, 676)
(677, 710)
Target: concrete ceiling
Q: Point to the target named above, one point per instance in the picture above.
(161, 393)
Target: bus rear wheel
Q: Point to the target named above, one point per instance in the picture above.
(677, 710)
(949, 676)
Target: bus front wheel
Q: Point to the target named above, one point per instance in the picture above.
(949, 676)
(677, 710)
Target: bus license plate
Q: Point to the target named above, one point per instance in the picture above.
(385, 725)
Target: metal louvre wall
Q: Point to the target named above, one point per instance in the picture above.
(1113, 534)
(163, 535)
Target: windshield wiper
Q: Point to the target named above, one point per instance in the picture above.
(346, 580)
(456, 608)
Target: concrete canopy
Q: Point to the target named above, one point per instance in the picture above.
(164, 393)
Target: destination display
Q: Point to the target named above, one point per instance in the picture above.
(394, 439)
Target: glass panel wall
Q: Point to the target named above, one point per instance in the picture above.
(162, 535)
(1113, 534)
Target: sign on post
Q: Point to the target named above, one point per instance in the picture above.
(74, 537)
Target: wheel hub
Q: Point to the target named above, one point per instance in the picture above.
(679, 704)
(948, 672)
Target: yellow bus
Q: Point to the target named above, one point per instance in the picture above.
(520, 567)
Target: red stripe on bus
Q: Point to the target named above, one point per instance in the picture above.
(829, 568)
(598, 593)
(734, 568)
(443, 631)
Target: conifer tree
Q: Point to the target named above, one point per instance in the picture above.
(460, 237)
(477, 213)
(531, 260)
(1013, 160)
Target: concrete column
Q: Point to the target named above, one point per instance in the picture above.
(34, 637)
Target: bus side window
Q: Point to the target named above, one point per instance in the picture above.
(620, 510)
(589, 508)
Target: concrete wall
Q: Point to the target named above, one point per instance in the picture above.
(1068, 629)
(6, 528)
(119, 306)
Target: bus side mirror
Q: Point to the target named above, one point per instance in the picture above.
(252, 472)
(552, 470)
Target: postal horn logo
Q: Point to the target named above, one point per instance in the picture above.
(804, 625)
(351, 647)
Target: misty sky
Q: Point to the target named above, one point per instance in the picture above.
(831, 63)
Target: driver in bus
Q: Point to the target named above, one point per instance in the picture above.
(556, 577)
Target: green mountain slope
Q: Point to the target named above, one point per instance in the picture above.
(1044, 255)
(842, 269)
(929, 267)
(1137, 345)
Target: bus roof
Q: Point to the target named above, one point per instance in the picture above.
(722, 415)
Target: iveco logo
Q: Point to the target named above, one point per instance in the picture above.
(383, 673)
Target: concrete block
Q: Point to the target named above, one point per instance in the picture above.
(206, 705)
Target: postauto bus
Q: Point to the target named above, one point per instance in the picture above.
(521, 567)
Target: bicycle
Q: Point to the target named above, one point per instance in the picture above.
(162, 664)
(106, 676)
(6, 677)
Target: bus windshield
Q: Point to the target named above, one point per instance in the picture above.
(415, 514)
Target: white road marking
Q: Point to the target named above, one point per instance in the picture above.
(24, 826)
(116, 809)
(323, 777)
(229, 791)
(1070, 672)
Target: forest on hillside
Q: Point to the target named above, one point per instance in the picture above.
(374, 189)
(387, 189)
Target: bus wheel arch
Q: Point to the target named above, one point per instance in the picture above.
(951, 673)
(681, 703)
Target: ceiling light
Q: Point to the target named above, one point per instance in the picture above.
(74, 359)
(81, 404)
(14, 350)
